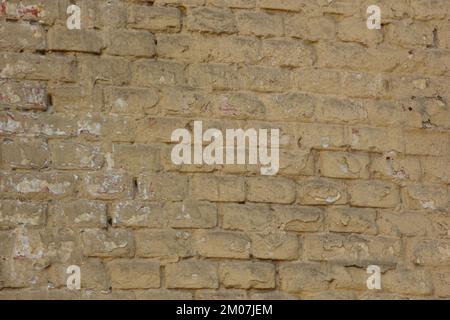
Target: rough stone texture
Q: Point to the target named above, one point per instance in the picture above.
(134, 274)
(86, 179)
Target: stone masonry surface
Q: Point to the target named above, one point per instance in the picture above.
(86, 177)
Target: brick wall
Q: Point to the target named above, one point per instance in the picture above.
(86, 178)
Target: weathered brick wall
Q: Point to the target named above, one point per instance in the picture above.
(86, 176)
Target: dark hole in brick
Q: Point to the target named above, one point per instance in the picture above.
(49, 99)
